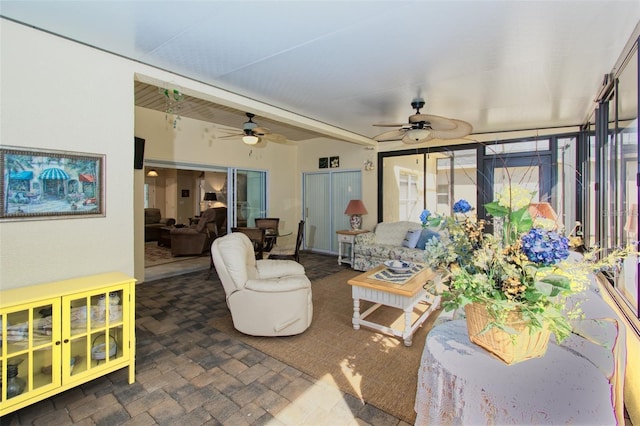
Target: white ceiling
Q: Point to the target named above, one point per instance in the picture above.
(499, 65)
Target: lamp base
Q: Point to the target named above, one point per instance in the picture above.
(356, 222)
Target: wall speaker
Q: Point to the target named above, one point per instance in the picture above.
(138, 153)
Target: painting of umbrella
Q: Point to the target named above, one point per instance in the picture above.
(42, 184)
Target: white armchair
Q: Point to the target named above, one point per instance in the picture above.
(266, 297)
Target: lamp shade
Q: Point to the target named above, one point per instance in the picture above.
(355, 207)
(210, 196)
(152, 173)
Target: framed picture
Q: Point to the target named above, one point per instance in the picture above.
(185, 193)
(46, 184)
(334, 162)
(323, 162)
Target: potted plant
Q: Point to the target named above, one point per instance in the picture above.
(514, 285)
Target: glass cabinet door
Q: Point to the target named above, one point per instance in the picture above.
(30, 350)
(96, 335)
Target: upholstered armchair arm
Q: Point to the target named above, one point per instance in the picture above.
(278, 285)
(167, 221)
(271, 268)
(184, 231)
(366, 238)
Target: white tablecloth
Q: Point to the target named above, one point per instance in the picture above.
(461, 383)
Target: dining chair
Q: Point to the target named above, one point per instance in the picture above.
(271, 226)
(256, 235)
(292, 253)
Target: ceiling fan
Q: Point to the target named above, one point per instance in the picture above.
(424, 127)
(252, 133)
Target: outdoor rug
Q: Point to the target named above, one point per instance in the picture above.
(155, 255)
(369, 365)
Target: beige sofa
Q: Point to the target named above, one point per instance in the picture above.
(385, 242)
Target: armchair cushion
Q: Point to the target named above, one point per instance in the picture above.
(278, 284)
(269, 268)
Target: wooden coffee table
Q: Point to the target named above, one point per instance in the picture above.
(402, 296)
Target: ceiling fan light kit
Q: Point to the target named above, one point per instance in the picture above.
(424, 127)
(250, 139)
(253, 134)
(417, 136)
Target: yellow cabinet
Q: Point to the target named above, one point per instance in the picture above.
(58, 335)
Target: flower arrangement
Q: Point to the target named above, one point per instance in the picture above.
(525, 269)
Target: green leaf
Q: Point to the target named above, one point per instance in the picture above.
(544, 288)
(496, 210)
(521, 219)
(434, 221)
(558, 283)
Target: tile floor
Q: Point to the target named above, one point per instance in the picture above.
(191, 374)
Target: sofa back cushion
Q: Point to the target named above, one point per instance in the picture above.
(425, 235)
(151, 215)
(393, 233)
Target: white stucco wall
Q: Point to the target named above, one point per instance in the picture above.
(64, 96)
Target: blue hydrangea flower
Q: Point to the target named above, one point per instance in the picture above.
(462, 206)
(545, 247)
(424, 216)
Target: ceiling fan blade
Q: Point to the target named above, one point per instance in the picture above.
(277, 138)
(461, 130)
(435, 121)
(234, 136)
(260, 131)
(389, 124)
(393, 135)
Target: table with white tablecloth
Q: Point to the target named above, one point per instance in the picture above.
(461, 383)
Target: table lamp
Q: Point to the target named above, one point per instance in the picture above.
(210, 197)
(356, 209)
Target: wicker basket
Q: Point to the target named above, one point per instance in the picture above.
(509, 348)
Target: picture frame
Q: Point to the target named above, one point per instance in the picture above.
(185, 193)
(39, 184)
(323, 162)
(334, 162)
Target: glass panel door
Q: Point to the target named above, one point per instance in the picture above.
(248, 196)
(530, 172)
(403, 186)
(317, 199)
(345, 186)
(96, 332)
(326, 196)
(29, 355)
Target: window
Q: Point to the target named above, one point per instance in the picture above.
(408, 195)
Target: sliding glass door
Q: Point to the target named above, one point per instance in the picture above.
(248, 196)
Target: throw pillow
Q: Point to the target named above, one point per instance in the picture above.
(411, 239)
(425, 236)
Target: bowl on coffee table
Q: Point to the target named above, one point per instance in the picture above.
(398, 266)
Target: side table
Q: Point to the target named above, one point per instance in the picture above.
(346, 240)
(461, 383)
